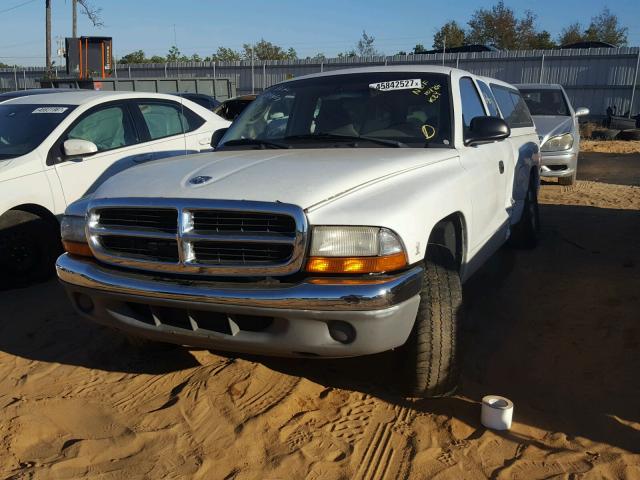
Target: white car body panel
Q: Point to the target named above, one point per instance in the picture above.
(29, 180)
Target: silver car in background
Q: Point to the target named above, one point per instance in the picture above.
(557, 124)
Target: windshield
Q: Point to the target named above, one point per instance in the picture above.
(545, 101)
(24, 127)
(390, 109)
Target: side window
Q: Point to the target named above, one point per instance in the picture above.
(108, 128)
(521, 115)
(489, 99)
(514, 110)
(168, 119)
(471, 103)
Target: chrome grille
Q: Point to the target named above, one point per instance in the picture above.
(209, 237)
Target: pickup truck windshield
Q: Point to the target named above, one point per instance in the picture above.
(383, 110)
(545, 101)
(24, 127)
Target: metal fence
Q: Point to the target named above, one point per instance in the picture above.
(593, 78)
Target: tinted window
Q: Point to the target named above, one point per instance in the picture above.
(471, 103)
(24, 127)
(514, 110)
(545, 101)
(108, 128)
(168, 119)
(489, 99)
(374, 109)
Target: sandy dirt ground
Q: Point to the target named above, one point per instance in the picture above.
(556, 329)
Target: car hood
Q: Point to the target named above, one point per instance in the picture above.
(549, 126)
(304, 177)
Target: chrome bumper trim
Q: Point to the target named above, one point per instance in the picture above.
(372, 294)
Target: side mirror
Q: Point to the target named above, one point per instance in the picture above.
(79, 148)
(217, 136)
(582, 111)
(485, 130)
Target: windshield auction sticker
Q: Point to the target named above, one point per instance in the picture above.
(50, 110)
(396, 85)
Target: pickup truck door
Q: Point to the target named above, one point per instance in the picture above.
(485, 176)
(110, 127)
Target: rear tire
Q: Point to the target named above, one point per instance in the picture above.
(29, 246)
(526, 233)
(429, 359)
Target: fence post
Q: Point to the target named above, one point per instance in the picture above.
(15, 76)
(458, 60)
(165, 70)
(214, 71)
(129, 71)
(24, 79)
(321, 67)
(541, 68)
(264, 75)
(633, 86)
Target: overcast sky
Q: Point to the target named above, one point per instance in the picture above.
(311, 27)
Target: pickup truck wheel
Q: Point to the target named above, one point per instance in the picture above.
(429, 358)
(29, 246)
(525, 233)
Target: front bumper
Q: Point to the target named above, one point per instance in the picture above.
(269, 318)
(558, 164)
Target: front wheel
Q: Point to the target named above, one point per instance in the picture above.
(429, 359)
(526, 232)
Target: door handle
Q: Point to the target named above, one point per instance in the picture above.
(501, 166)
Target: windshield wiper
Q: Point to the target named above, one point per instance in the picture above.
(355, 138)
(255, 141)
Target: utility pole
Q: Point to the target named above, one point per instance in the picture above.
(47, 5)
(74, 18)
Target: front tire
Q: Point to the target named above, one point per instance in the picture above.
(430, 356)
(29, 246)
(526, 233)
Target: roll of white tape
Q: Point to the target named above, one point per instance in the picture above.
(497, 412)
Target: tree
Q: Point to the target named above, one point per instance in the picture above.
(264, 50)
(195, 58)
(419, 48)
(528, 36)
(365, 47)
(571, 34)
(347, 54)
(604, 27)
(449, 35)
(496, 26)
(224, 54)
(156, 59)
(133, 57)
(175, 55)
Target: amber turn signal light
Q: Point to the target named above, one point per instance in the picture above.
(77, 248)
(352, 265)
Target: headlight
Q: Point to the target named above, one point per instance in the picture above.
(355, 250)
(73, 236)
(558, 143)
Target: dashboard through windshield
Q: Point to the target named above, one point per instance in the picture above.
(388, 109)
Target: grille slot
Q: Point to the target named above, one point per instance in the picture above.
(247, 222)
(143, 248)
(242, 253)
(163, 220)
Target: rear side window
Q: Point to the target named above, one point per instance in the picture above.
(168, 119)
(489, 99)
(471, 103)
(108, 128)
(514, 109)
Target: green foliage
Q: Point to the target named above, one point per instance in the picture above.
(224, 54)
(133, 57)
(365, 46)
(604, 27)
(450, 35)
(264, 50)
(419, 48)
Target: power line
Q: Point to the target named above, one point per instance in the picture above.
(17, 6)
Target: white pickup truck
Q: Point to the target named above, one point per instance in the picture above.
(338, 216)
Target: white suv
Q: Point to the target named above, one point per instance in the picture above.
(57, 147)
(337, 217)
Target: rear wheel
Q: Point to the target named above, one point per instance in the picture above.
(29, 246)
(429, 359)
